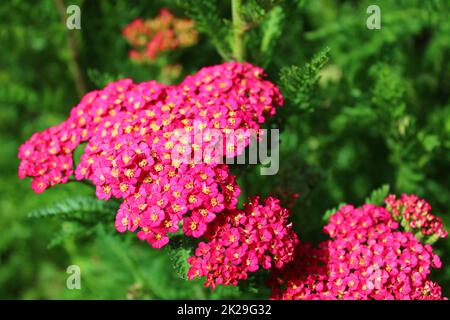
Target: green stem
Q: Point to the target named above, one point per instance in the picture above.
(238, 31)
(73, 60)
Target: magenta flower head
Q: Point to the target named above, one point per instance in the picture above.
(366, 257)
(242, 241)
(414, 214)
(143, 142)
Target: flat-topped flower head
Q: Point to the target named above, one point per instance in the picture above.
(242, 241)
(366, 257)
(414, 214)
(143, 142)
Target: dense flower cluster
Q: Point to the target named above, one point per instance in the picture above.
(142, 145)
(47, 156)
(367, 257)
(414, 215)
(153, 36)
(242, 241)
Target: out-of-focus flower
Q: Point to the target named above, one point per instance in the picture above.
(152, 36)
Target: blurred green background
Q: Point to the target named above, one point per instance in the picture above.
(380, 114)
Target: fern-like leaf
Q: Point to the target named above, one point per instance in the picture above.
(377, 196)
(332, 211)
(207, 20)
(272, 28)
(255, 11)
(180, 249)
(298, 84)
(84, 211)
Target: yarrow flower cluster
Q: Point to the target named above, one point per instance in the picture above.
(242, 241)
(133, 132)
(152, 36)
(414, 215)
(47, 156)
(367, 257)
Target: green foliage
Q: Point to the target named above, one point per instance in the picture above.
(298, 84)
(378, 195)
(180, 249)
(100, 79)
(261, 19)
(256, 11)
(271, 30)
(208, 21)
(256, 283)
(330, 212)
(81, 217)
(80, 209)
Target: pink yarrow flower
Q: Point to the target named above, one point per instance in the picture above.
(366, 257)
(132, 131)
(242, 241)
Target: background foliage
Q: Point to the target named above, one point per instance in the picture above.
(364, 108)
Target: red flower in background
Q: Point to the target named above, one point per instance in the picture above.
(152, 36)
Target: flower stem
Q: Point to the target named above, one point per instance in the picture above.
(238, 31)
(73, 60)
